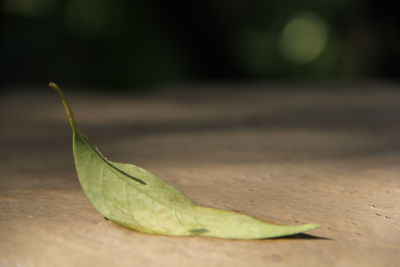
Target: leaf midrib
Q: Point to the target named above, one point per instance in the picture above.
(120, 174)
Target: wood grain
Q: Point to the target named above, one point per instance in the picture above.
(315, 155)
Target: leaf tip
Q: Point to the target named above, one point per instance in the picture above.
(311, 226)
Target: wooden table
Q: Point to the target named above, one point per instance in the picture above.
(326, 154)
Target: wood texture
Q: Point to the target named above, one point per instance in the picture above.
(314, 155)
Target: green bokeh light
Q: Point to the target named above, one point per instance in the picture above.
(303, 38)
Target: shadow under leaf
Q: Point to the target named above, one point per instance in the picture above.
(301, 236)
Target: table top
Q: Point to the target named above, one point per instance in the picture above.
(326, 154)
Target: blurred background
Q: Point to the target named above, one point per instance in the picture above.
(140, 45)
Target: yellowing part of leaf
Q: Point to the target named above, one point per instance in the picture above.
(136, 198)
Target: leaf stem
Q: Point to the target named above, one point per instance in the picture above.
(67, 107)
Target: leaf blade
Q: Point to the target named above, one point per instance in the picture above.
(138, 199)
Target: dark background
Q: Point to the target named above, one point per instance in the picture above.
(142, 44)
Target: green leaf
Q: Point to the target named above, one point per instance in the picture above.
(136, 198)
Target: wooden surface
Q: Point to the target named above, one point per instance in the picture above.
(326, 156)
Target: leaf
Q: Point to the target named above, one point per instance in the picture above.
(136, 198)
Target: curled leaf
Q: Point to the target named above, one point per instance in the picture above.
(136, 198)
